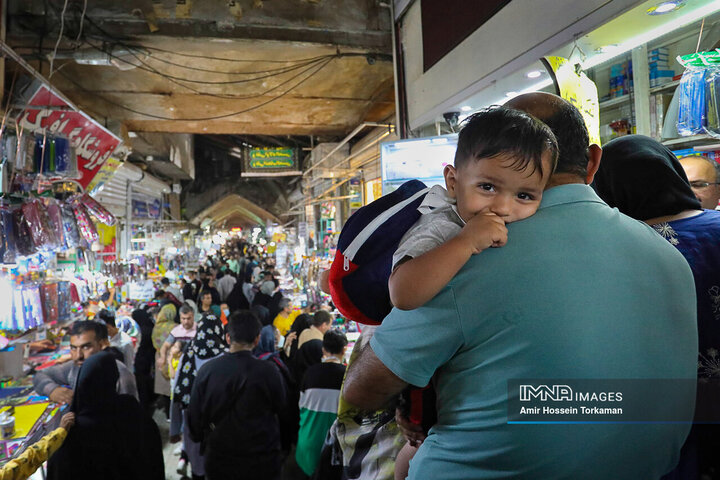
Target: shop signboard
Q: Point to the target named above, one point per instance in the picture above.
(573, 85)
(270, 162)
(48, 112)
(104, 174)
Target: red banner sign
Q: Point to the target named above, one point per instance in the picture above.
(93, 143)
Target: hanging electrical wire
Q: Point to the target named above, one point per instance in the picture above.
(82, 20)
(60, 35)
(215, 117)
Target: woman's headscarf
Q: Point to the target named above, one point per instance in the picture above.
(209, 342)
(96, 387)
(643, 179)
(163, 325)
(267, 341)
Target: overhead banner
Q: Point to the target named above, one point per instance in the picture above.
(93, 143)
(271, 162)
(574, 86)
(104, 174)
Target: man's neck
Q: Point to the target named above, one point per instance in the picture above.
(332, 359)
(558, 179)
(240, 347)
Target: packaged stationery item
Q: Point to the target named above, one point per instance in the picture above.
(691, 92)
(8, 248)
(85, 224)
(54, 213)
(712, 101)
(43, 236)
(100, 212)
(49, 298)
(23, 238)
(70, 228)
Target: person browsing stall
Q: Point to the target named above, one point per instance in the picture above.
(86, 339)
(185, 332)
(118, 339)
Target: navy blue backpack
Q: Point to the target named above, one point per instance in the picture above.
(361, 268)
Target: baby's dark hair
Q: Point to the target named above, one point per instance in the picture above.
(496, 130)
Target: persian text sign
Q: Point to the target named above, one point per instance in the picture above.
(93, 143)
(262, 158)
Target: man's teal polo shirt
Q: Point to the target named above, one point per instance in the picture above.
(580, 291)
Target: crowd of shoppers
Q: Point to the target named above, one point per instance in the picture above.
(539, 278)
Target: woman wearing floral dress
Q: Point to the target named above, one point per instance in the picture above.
(209, 342)
(644, 180)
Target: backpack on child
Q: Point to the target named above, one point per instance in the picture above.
(363, 261)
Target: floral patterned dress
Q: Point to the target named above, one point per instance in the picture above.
(209, 342)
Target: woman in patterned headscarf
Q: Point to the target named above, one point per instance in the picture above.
(164, 323)
(209, 342)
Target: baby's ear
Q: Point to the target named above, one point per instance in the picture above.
(450, 174)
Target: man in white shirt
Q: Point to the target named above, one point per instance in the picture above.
(118, 339)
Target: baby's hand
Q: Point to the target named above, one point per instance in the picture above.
(484, 230)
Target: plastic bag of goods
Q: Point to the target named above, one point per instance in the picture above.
(49, 300)
(42, 234)
(85, 224)
(64, 301)
(23, 237)
(100, 212)
(54, 213)
(712, 102)
(691, 111)
(8, 249)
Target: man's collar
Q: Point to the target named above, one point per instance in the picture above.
(569, 193)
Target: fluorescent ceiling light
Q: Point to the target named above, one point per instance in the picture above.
(511, 94)
(643, 38)
(665, 7)
(533, 74)
(132, 134)
(466, 108)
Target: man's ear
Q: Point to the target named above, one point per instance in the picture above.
(450, 174)
(594, 156)
(257, 340)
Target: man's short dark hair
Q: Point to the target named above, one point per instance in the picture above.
(106, 316)
(568, 125)
(334, 341)
(320, 317)
(185, 309)
(243, 327)
(496, 130)
(165, 281)
(100, 329)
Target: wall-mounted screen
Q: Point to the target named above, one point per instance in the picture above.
(419, 158)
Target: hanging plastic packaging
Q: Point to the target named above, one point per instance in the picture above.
(70, 228)
(100, 212)
(41, 154)
(56, 221)
(64, 301)
(43, 236)
(23, 238)
(85, 224)
(8, 249)
(62, 154)
(712, 102)
(49, 297)
(691, 96)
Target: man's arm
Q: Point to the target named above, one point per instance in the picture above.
(56, 377)
(369, 384)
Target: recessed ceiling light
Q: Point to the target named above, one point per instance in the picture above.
(466, 108)
(666, 7)
(533, 74)
(172, 109)
(511, 94)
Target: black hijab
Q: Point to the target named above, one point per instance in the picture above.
(112, 437)
(643, 179)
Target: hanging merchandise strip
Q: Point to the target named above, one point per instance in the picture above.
(699, 94)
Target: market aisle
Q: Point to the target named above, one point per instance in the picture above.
(170, 459)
